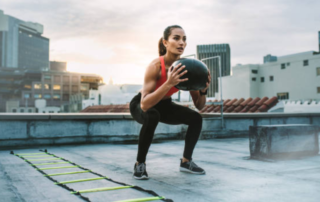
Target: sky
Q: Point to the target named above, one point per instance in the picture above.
(118, 39)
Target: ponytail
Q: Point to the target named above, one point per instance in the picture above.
(162, 49)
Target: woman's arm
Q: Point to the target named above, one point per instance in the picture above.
(200, 100)
(149, 96)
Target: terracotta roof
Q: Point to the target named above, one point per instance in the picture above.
(249, 105)
(107, 108)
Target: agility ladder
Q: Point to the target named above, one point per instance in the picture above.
(46, 156)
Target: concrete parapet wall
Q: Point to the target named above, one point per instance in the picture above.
(283, 141)
(75, 128)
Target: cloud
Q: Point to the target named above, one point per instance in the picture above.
(124, 32)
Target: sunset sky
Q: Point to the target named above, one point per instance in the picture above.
(119, 39)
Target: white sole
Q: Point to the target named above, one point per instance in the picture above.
(189, 171)
(141, 178)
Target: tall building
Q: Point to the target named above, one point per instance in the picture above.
(21, 44)
(222, 50)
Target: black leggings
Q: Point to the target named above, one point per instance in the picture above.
(167, 112)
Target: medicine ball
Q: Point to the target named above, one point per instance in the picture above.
(197, 74)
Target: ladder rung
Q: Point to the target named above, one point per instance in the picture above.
(26, 154)
(58, 167)
(42, 164)
(45, 159)
(101, 189)
(81, 180)
(69, 173)
(34, 157)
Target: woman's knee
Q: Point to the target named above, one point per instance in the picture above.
(196, 118)
(153, 115)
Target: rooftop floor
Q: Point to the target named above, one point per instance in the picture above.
(230, 174)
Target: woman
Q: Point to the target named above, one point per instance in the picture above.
(153, 104)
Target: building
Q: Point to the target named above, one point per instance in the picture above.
(111, 95)
(294, 77)
(22, 44)
(319, 40)
(269, 58)
(222, 50)
(58, 66)
(13, 81)
(26, 86)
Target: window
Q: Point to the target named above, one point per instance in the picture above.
(253, 78)
(65, 97)
(318, 71)
(283, 66)
(21, 110)
(26, 95)
(29, 110)
(14, 110)
(66, 88)
(56, 78)
(283, 96)
(271, 78)
(47, 86)
(254, 71)
(66, 79)
(27, 86)
(75, 79)
(74, 88)
(318, 88)
(262, 79)
(56, 87)
(84, 87)
(47, 77)
(56, 96)
(37, 86)
(37, 96)
(47, 96)
(288, 64)
(305, 62)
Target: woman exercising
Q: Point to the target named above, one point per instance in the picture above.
(153, 104)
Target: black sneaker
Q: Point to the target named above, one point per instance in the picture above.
(140, 172)
(191, 167)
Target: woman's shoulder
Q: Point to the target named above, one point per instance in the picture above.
(155, 62)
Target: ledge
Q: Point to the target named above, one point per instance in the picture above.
(109, 116)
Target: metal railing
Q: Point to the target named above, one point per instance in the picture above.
(221, 102)
(215, 103)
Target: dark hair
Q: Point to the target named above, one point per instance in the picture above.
(162, 49)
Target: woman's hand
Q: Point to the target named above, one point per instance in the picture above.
(208, 83)
(173, 76)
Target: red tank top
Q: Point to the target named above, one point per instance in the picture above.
(164, 78)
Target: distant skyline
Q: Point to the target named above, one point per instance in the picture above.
(119, 39)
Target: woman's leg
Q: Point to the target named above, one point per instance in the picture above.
(149, 121)
(177, 114)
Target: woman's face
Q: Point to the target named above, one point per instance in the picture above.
(176, 42)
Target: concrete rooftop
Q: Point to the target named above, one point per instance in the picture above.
(231, 175)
